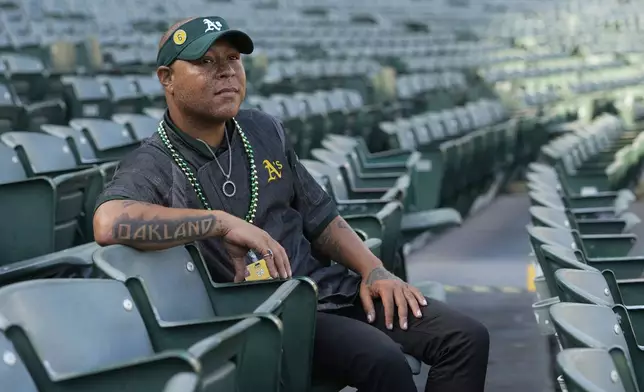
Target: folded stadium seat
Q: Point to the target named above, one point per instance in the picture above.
(596, 369)
(140, 126)
(337, 111)
(12, 110)
(109, 140)
(83, 151)
(27, 75)
(76, 189)
(150, 276)
(50, 111)
(156, 113)
(124, 94)
(544, 216)
(86, 97)
(13, 371)
(316, 117)
(74, 262)
(107, 345)
(585, 247)
(291, 111)
(150, 88)
(365, 115)
(543, 178)
(419, 216)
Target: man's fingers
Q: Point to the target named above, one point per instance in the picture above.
(387, 298)
(367, 303)
(413, 302)
(419, 296)
(401, 304)
(270, 262)
(240, 270)
(281, 260)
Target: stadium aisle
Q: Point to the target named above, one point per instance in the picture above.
(492, 240)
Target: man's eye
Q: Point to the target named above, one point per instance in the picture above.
(233, 57)
(206, 61)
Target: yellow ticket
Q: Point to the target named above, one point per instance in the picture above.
(257, 271)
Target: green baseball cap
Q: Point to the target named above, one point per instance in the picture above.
(191, 40)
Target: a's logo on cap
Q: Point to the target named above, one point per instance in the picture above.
(210, 25)
(179, 37)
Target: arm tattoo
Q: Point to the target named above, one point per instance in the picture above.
(162, 231)
(329, 241)
(379, 273)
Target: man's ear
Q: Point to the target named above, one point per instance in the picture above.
(166, 77)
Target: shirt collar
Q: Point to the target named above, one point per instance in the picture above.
(195, 144)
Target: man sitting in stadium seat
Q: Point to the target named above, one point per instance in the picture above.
(211, 163)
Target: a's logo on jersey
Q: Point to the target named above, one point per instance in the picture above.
(274, 169)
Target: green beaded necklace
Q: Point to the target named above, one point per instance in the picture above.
(192, 178)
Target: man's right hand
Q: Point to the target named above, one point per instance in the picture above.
(240, 236)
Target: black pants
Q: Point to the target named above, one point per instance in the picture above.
(369, 357)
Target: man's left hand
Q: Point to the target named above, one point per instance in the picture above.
(394, 293)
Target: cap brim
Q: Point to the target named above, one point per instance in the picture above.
(197, 48)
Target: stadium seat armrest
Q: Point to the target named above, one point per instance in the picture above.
(247, 297)
(147, 374)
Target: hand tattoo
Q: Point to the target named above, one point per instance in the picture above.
(379, 273)
(158, 231)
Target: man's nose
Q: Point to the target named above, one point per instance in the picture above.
(224, 70)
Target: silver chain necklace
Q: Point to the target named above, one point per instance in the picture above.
(228, 188)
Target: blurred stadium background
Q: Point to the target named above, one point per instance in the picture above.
(489, 150)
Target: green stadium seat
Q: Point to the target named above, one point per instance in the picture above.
(86, 97)
(74, 262)
(51, 111)
(140, 126)
(550, 217)
(27, 75)
(107, 345)
(12, 111)
(124, 94)
(108, 139)
(76, 190)
(150, 88)
(150, 275)
(588, 370)
(82, 150)
(587, 287)
(12, 370)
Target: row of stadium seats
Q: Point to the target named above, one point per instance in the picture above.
(589, 286)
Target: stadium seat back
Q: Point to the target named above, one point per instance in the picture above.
(12, 111)
(583, 287)
(588, 370)
(86, 97)
(172, 270)
(587, 326)
(108, 139)
(12, 169)
(27, 75)
(12, 370)
(41, 154)
(77, 325)
(124, 94)
(77, 141)
(140, 126)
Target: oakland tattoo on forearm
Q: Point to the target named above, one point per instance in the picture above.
(158, 231)
(132, 226)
